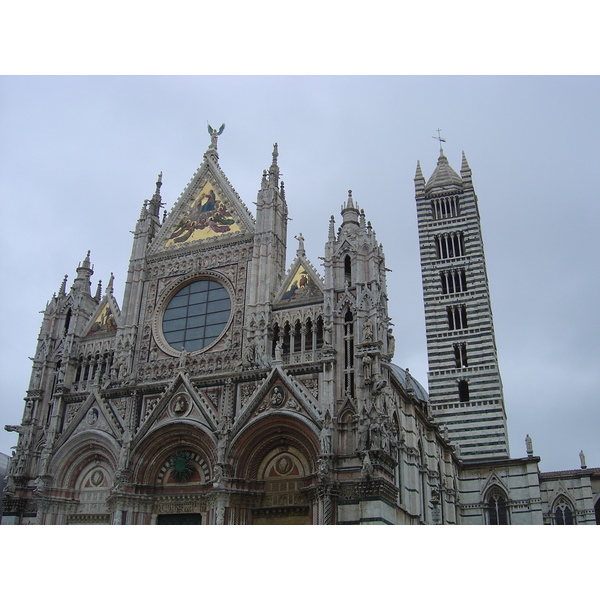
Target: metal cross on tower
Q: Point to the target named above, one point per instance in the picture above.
(439, 138)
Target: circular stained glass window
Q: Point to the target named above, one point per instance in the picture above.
(196, 315)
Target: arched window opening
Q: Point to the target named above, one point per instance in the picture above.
(463, 390)
(319, 332)
(497, 509)
(563, 514)
(349, 353)
(460, 355)
(67, 321)
(348, 270)
(309, 335)
(597, 511)
(286, 339)
(297, 337)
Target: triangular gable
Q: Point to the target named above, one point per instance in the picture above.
(208, 210)
(493, 480)
(104, 320)
(279, 393)
(179, 403)
(302, 285)
(93, 414)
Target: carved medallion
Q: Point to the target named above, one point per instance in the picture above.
(277, 396)
(92, 416)
(284, 465)
(180, 405)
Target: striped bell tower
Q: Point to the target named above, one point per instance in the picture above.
(465, 388)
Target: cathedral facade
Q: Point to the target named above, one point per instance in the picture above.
(232, 387)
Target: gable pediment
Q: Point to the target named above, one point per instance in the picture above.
(302, 285)
(208, 211)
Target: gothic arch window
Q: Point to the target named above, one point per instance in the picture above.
(349, 353)
(67, 321)
(297, 337)
(496, 507)
(348, 269)
(563, 512)
(319, 332)
(308, 344)
(460, 355)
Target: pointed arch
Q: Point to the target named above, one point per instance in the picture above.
(496, 505)
(563, 512)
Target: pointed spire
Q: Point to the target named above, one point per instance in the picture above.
(443, 176)
(332, 229)
(274, 168)
(98, 295)
(84, 271)
(63, 286)
(156, 201)
(86, 261)
(419, 180)
(350, 210)
(109, 287)
(465, 171)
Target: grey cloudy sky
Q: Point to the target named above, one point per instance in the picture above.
(78, 156)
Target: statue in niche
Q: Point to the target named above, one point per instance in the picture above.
(278, 357)
(325, 438)
(367, 368)
(367, 332)
(363, 433)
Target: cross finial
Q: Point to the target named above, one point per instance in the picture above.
(438, 137)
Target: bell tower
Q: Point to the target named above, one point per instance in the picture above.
(465, 389)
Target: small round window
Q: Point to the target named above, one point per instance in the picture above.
(196, 315)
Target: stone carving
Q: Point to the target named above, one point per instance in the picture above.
(367, 332)
(92, 416)
(180, 405)
(582, 460)
(325, 438)
(277, 396)
(529, 446)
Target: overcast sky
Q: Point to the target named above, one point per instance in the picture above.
(79, 155)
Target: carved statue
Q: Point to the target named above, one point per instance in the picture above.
(214, 134)
(278, 357)
(182, 358)
(367, 332)
(325, 439)
(582, 459)
(327, 338)
(529, 446)
(367, 367)
(375, 435)
(367, 467)
(391, 342)
(363, 434)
